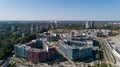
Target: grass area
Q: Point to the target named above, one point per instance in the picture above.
(114, 58)
(61, 31)
(106, 54)
(110, 65)
(118, 30)
(105, 50)
(56, 43)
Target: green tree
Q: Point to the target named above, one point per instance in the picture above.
(97, 56)
(103, 65)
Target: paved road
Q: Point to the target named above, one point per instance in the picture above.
(109, 51)
(110, 54)
(117, 61)
(104, 52)
(113, 65)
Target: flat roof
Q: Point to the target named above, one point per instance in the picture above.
(48, 44)
(86, 45)
(115, 41)
(36, 50)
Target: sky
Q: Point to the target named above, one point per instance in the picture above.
(60, 10)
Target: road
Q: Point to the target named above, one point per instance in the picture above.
(104, 50)
(113, 65)
(116, 60)
(109, 51)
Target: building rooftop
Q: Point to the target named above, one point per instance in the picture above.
(115, 41)
(36, 50)
(48, 44)
(1, 62)
(78, 44)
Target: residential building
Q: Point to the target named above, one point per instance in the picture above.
(76, 50)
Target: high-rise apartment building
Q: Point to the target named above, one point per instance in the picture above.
(90, 24)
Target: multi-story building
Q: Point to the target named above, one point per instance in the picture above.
(21, 50)
(95, 43)
(51, 52)
(87, 24)
(12, 28)
(2, 34)
(90, 24)
(36, 50)
(77, 46)
(38, 43)
(31, 29)
(17, 49)
(76, 49)
(36, 54)
(49, 36)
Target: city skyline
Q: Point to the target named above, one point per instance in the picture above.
(59, 10)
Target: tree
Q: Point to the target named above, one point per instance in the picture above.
(88, 66)
(103, 65)
(97, 56)
(6, 45)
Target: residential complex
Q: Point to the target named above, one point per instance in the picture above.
(76, 47)
(59, 46)
(36, 50)
(49, 36)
